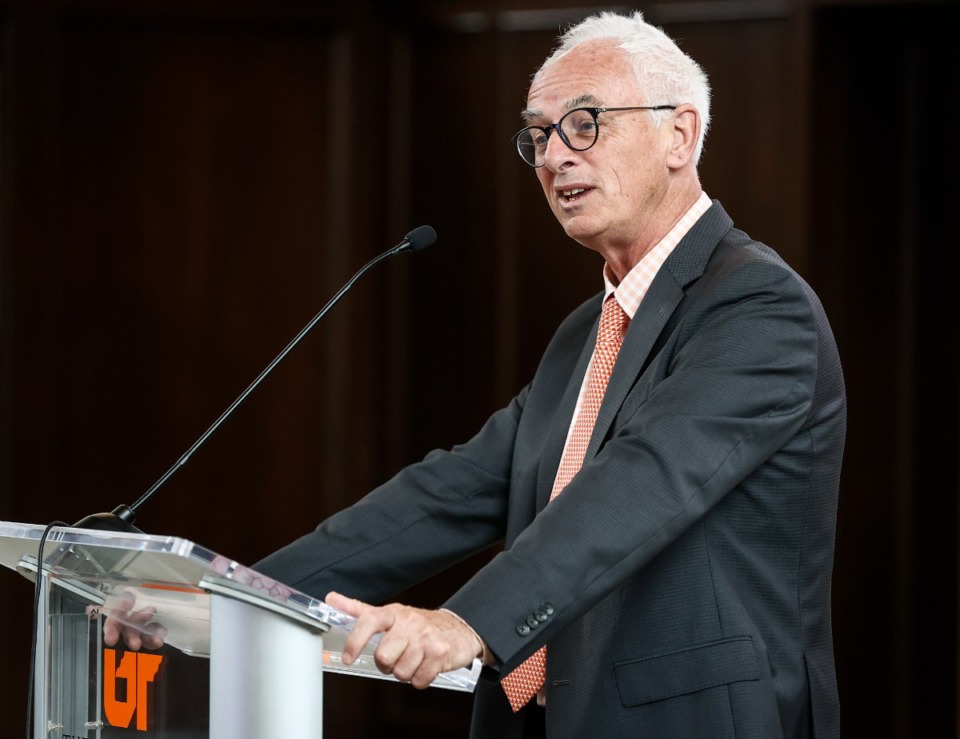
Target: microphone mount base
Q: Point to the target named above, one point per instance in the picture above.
(120, 519)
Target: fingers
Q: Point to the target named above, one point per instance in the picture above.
(138, 632)
(153, 635)
(131, 638)
(424, 644)
(134, 628)
(412, 651)
(117, 614)
(416, 644)
(111, 631)
(349, 606)
(370, 621)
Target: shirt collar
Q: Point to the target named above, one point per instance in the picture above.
(631, 290)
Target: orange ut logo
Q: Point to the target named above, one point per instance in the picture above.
(138, 670)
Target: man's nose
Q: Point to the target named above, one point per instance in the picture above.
(557, 155)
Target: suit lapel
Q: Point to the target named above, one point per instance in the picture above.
(682, 267)
(685, 265)
(658, 304)
(558, 430)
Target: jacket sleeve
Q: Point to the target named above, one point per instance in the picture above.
(429, 516)
(736, 384)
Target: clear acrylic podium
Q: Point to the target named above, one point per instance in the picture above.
(242, 658)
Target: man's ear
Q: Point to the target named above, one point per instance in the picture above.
(685, 130)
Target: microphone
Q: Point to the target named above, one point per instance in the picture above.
(122, 517)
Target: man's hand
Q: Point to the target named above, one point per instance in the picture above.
(133, 627)
(417, 644)
(137, 629)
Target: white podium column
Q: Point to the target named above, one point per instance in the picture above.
(266, 667)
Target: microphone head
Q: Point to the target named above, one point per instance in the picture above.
(420, 238)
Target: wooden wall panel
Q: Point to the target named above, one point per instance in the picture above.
(182, 201)
(754, 150)
(184, 249)
(184, 184)
(884, 259)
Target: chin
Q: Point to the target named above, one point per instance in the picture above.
(579, 231)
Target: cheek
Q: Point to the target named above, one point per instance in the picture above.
(621, 184)
(544, 180)
(638, 182)
(546, 184)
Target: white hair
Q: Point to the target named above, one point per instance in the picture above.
(664, 73)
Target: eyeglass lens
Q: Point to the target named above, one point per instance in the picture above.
(578, 129)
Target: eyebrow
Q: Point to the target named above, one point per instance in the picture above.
(530, 115)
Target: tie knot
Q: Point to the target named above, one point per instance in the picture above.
(613, 322)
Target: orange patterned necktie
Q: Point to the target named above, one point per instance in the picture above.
(527, 678)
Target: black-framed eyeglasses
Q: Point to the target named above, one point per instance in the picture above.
(578, 129)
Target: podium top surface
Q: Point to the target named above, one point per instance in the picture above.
(109, 557)
(176, 577)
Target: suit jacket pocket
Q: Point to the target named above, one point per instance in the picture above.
(686, 671)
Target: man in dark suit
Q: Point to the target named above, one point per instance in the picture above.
(668, 526)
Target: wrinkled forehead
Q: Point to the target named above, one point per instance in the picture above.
(535, 116)
(594, 74)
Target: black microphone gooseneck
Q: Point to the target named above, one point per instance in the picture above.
(122, 517)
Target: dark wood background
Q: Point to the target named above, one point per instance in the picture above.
(185, 183)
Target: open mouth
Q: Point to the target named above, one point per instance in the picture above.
(573, 194)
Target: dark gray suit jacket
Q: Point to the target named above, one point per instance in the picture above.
(682, 580)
